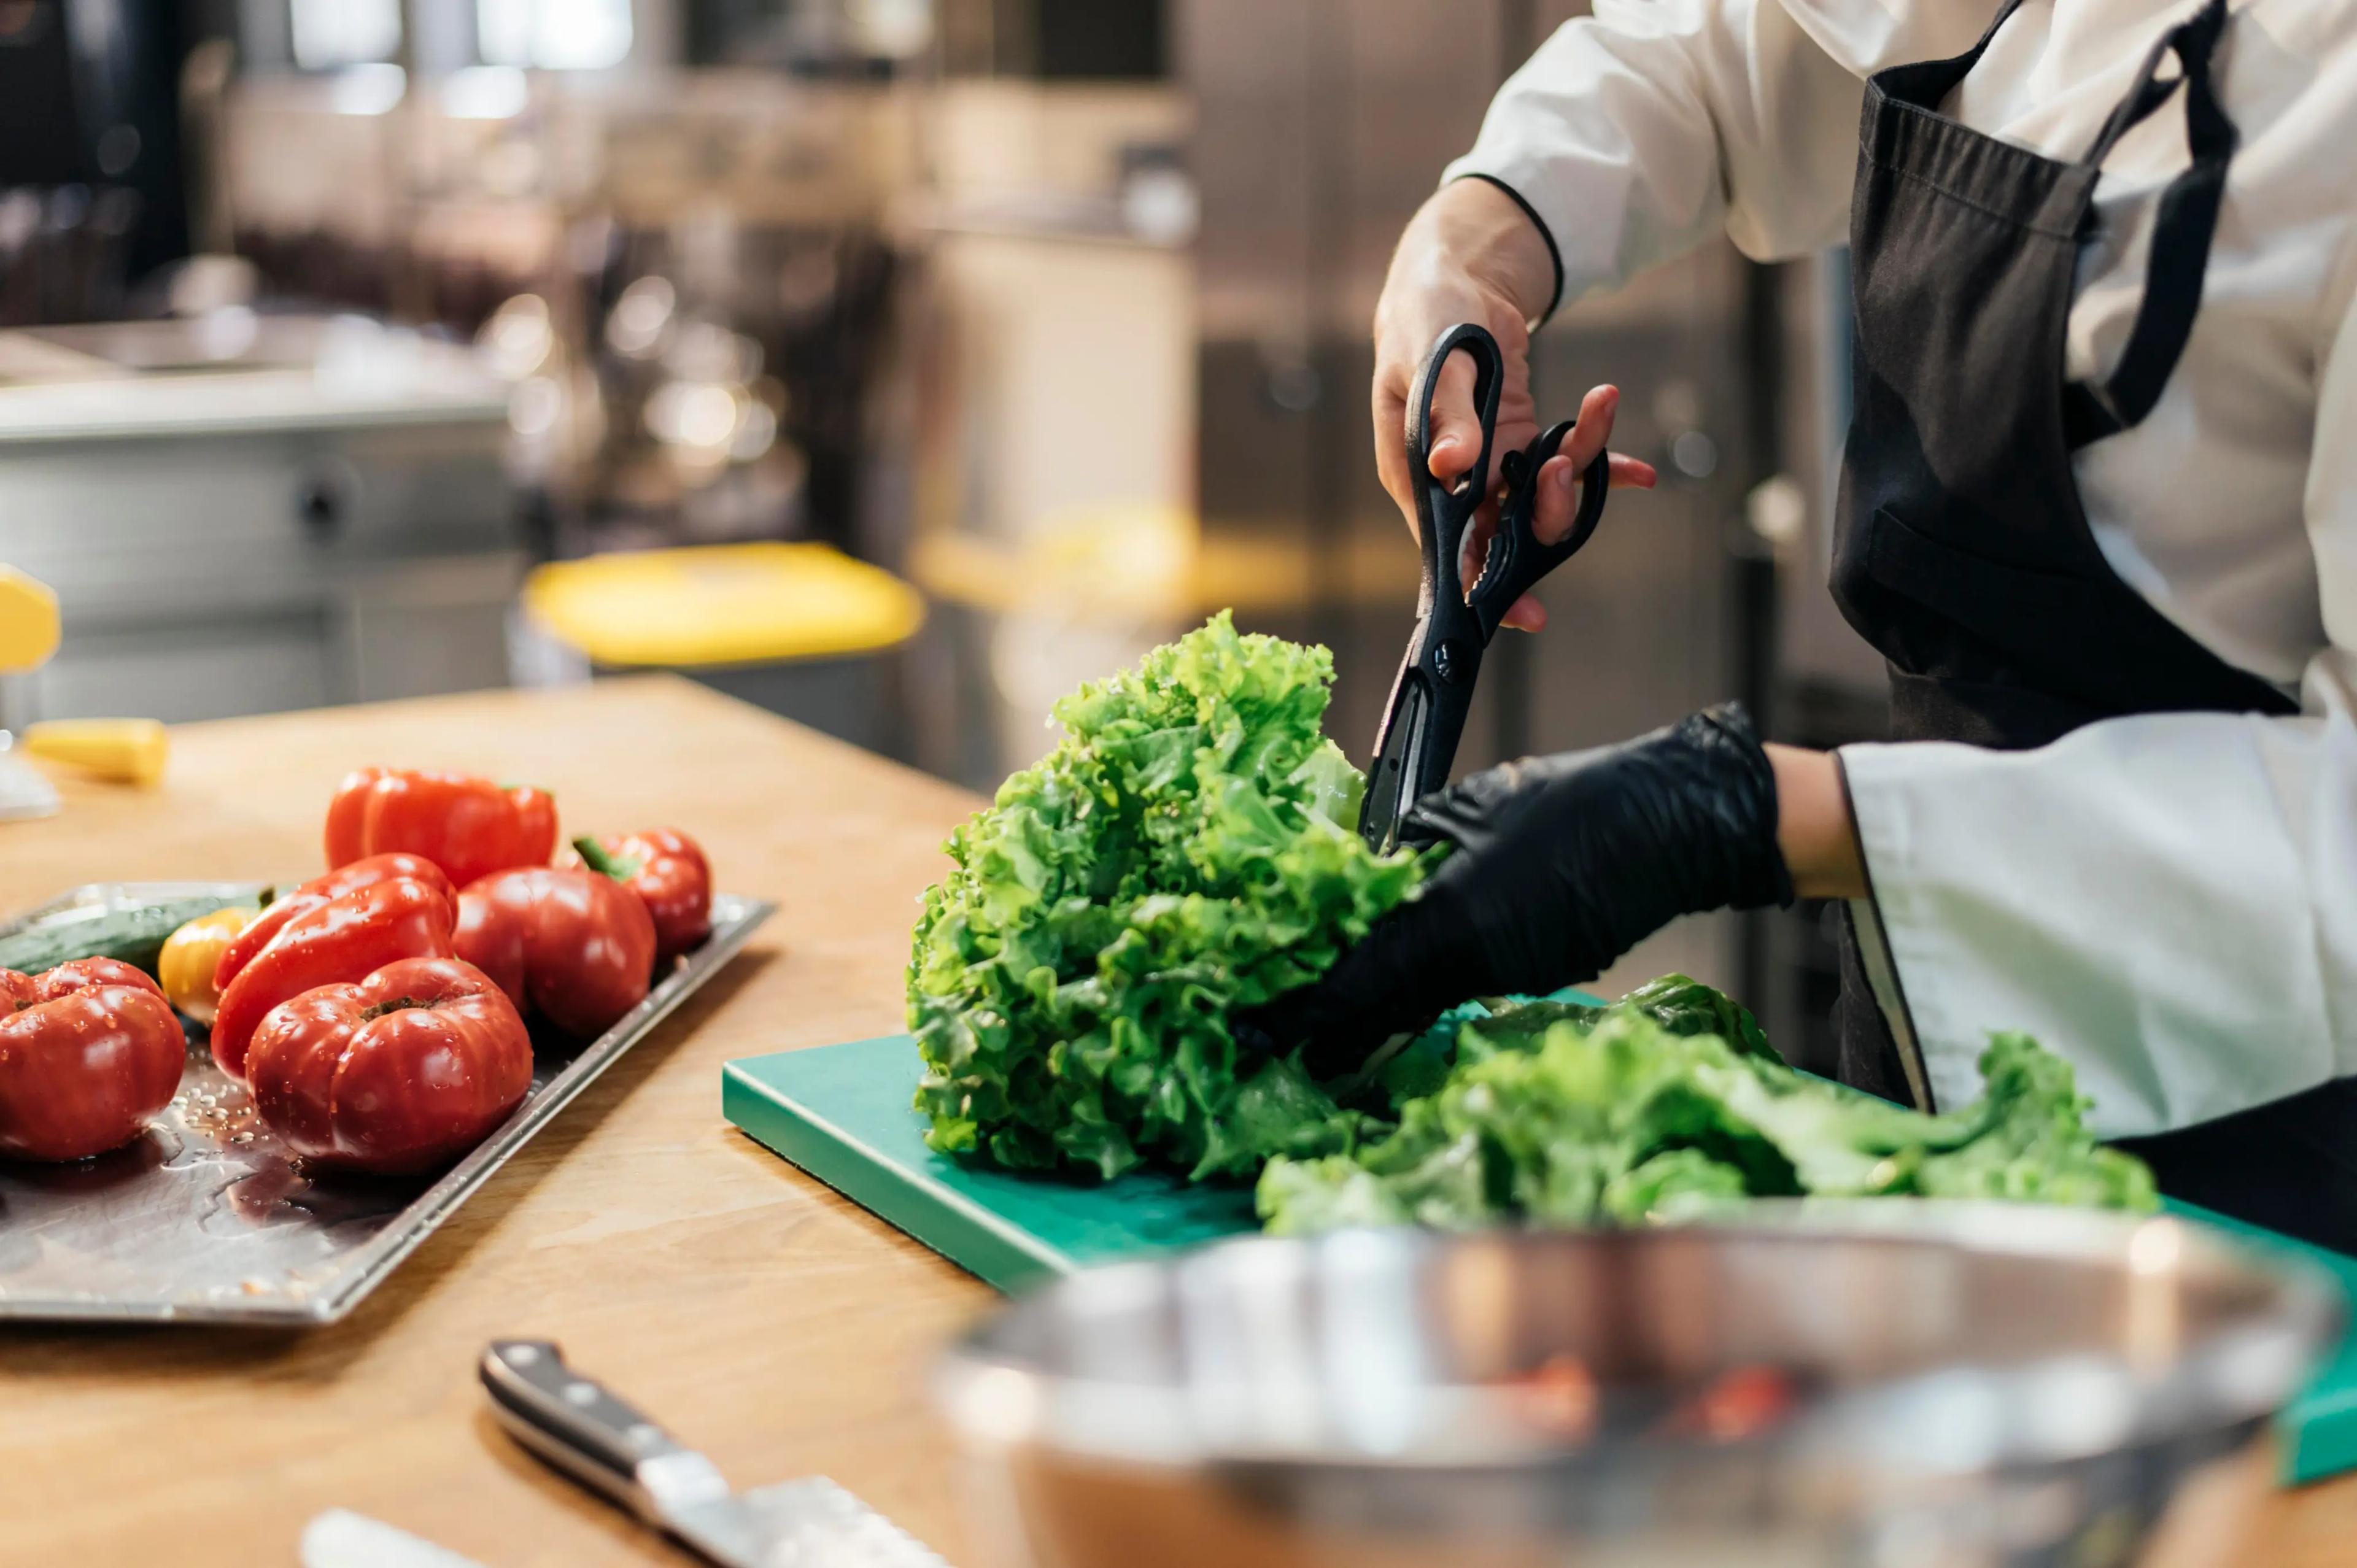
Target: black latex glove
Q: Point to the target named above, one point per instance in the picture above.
(1561, 865)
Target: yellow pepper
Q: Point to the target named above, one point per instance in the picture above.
(190, 955)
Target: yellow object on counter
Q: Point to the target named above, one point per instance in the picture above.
(132, 751)
(192, 953)
(722, 604)
(28, 622)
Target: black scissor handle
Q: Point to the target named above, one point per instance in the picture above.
(1433, 693)
(1444, 511)
(1517, 559)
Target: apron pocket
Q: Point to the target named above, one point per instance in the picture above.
(2031, 606)
(2061, 636)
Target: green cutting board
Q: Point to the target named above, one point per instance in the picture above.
(843, 1114)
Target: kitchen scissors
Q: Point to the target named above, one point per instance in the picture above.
(1433, 691)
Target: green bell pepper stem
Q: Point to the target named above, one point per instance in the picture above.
(593, 855)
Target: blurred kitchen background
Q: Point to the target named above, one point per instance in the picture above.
(894, 364)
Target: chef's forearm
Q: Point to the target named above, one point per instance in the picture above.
(1812, 824)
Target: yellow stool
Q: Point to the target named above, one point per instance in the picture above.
(800, 629)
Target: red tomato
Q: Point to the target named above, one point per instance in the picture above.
(89, 1053)
(575, 947)
(341, 941)
(668, 872)
(1560, 1396)
(321, 890)
(404, 1072)
(469, 827)
(1740, 1403)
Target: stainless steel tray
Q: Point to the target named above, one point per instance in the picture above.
(205, 1219)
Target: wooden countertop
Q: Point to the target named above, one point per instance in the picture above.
(763, 1319)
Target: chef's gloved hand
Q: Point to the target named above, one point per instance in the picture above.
(1560, 864)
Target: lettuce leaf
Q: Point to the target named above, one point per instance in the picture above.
(1188, 847)
(1679, 1003)
(1562, 1114)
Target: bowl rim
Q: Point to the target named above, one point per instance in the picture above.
(1962, 1417)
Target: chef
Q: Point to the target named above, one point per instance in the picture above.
(2098, 510)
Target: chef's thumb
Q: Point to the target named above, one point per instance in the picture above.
(1456, 424)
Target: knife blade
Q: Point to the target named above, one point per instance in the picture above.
(584, 1430)
(342, 1539)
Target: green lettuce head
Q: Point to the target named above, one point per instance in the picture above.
(1187, 849)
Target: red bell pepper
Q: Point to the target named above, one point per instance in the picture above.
(668, 872)
(469, 827)
(89, 1053)
(321, 890)
(339, 943)
(403, 1071)
(574, 947)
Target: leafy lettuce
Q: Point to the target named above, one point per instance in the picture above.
(1564, 1114)
(1188, 847)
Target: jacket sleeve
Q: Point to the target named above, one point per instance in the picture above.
(2170, 900)
(1635, 133)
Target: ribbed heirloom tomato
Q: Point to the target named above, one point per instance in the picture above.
(340, 938)
(89, 1053)
(402, 1072)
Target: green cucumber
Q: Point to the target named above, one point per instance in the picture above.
(135, 934)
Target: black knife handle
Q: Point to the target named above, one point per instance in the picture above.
(574, 1424)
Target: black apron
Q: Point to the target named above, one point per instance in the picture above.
(1962, 551)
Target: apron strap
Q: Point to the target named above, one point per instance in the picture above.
(1972, 57)
(2186, 220)
(1926, 83)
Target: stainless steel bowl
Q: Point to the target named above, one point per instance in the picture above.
(1893, 1385)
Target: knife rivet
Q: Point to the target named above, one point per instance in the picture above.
(522, 1355)
(645, 1431)
(581, 1393)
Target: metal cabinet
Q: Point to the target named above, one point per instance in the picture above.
(234, 543)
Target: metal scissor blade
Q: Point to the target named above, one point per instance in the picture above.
(1392, 779)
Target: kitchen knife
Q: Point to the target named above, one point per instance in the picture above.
(342, 1539)
(593, 1437)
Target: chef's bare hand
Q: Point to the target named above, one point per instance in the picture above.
(1472, 254)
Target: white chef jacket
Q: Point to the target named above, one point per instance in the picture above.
(2170, 900)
